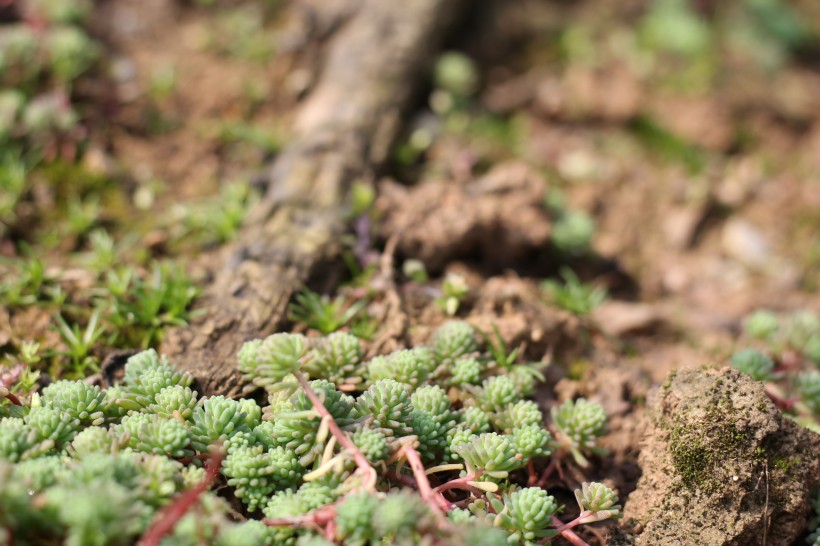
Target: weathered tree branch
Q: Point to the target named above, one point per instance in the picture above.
(343, 131)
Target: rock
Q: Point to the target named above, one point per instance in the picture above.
(721, 466)
(617, 318)
(745, 243)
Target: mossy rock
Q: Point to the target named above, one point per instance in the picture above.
(721, 465)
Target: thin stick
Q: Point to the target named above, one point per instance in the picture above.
(359, 458)
(766, 507)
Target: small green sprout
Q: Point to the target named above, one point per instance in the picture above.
(79, 341)
(498, 349)
(456, 80)
(802, 332)
(415, 270)
(103, 252)
(497, 393)
(453, 291)
(573, 295)
(28, 285)
(387, 406)
(30, 352)
(410, 366)
(452, 340)
(337, 358)
(78, 399)
(323, 314)
(141, 309)
(572, 232)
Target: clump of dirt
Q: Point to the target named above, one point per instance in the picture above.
(500, 217)
(721, 465)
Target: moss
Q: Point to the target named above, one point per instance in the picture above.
(708, 453)
(785, 464)
(669, 379)
(577, 369)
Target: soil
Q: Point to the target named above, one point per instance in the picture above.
(688, 241)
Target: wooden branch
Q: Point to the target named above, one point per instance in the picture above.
(343, 131)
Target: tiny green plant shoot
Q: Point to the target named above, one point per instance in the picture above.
(434, 444)
(573, 295)
(79, 342)
(453, 291)
(322, 313)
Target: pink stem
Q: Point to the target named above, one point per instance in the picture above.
(568, 535)
(167, 518)
(401, 478)
(13, 399)
(320, 517)
(533, 476)
(431, 497)
(341, 437)
(459, 483)
(784, 404)
(542, 482)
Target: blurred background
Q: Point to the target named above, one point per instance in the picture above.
(676, 144)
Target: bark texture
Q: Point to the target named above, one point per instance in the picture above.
(342, 132)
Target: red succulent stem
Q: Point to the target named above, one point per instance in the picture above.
(783, 404)
(565, 533)
(409, 481)
(167, 518)
(460, 483)
(13, 399)
(321, 517)
(358, 457)
(430, 496)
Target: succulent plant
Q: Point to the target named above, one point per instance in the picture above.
(754, 363)
(326, 459)
(578, 425)
(270, 361)
(527, 514)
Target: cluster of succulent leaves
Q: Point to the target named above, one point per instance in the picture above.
(91, 466)
(786, 356)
